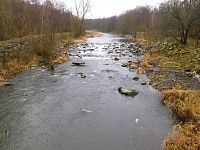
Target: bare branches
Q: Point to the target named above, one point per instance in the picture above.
(82, 8)
(183, 16)
(24, 17)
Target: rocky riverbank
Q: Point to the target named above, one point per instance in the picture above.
(175, 71)
(80, 104)
(17, 54)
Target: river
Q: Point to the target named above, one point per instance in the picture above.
(80, 108)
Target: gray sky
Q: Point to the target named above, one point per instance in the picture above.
(107, 8)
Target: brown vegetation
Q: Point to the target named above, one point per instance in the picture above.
(13, 67)
(184, 137)
(186, 105)
(145, 64)
(41, 49)
(93, 34)
(41, 32)
(60, 59)
(171, 63)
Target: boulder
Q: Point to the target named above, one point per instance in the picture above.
(127, 92)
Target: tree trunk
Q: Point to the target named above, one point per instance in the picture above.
(184, 37)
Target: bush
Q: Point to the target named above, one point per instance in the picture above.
(43, 46)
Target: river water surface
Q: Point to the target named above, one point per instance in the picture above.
(60, 110)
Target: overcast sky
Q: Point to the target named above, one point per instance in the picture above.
(107, 8)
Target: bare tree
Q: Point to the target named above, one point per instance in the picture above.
(182, 16)
(82, 8)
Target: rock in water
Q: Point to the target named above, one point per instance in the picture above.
(127, 92)
(124, 65)
(83, 76)
(78, 63)
(144, 83)
(131, 70)
(116, 59)
(135, 78)
(6, 84)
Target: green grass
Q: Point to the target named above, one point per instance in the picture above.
(183, 58)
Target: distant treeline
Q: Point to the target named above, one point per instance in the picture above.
(27, 17)
(179, 19)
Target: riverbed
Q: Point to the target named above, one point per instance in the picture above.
(80, 108)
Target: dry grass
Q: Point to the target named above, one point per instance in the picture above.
(93, 34)
(144, 65)
(186, 104)
(184, 137)
(60, 59)
(174, 57)
(148, 61)
(13, 67)
(88, 35)
(140, 38)
(79, 39)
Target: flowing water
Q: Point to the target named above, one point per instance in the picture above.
(64, 110)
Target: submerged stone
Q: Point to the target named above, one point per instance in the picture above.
(85, 111)
(127, 92)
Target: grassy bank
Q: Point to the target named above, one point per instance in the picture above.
(169, 71)
(22, 54)
(174, 70)
(186, 105)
